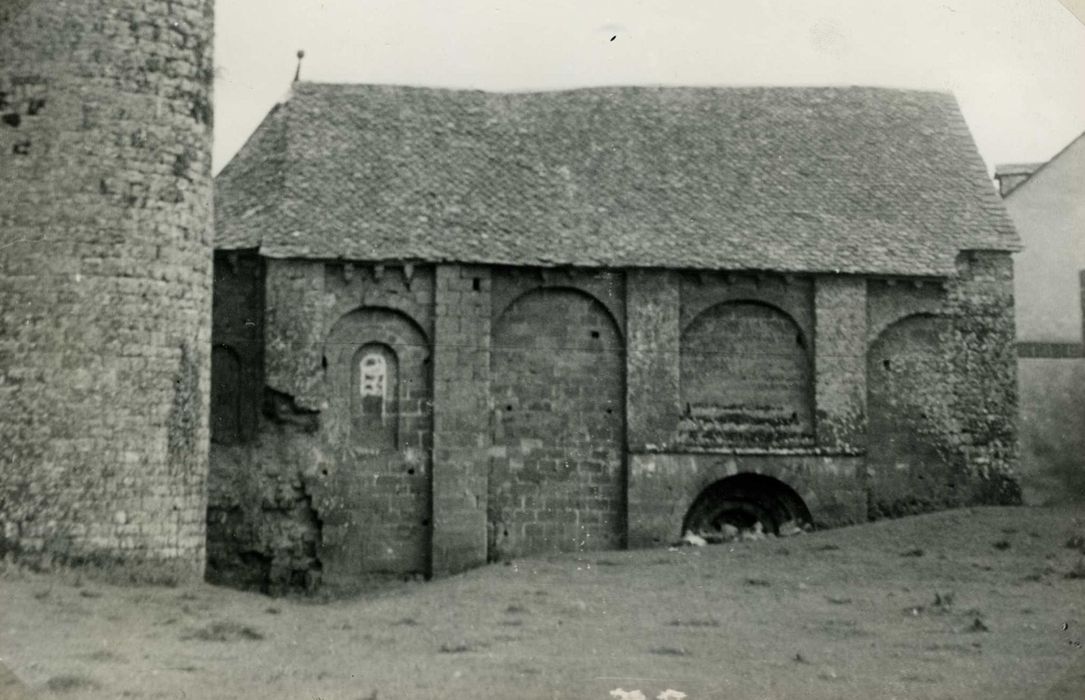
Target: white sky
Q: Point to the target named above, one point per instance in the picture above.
(1017, 66)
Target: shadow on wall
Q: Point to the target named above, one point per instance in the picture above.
(1052, 405)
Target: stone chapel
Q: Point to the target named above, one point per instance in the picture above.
(452, 327)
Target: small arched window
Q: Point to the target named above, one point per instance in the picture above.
(374, 383)
(375, 389)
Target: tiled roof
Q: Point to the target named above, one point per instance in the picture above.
(249, 188)
(792, 179)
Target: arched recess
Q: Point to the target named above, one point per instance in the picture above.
(909, 406)
(225, 395)
(557, 480)
(742, 500)
(607, 288)
(378, 423)
(746, 377)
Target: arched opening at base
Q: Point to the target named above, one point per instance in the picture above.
(738, 503)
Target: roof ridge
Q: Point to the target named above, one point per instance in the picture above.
(307, 85)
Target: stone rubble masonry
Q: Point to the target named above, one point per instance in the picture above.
(294, 330)
(966, 408)
(980, 300)
(105, 282)
(892, 300)
(653, 395)
(840, 348)
(912, 462)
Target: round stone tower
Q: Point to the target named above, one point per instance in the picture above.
(105, 281)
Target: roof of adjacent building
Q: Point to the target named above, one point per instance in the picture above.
(1016, 169)
(849, 179)
(1031, 170)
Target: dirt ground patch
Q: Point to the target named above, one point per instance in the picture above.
(982, 603)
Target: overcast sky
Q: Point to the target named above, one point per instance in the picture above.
(1017, 66)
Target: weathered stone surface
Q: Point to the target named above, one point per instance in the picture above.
(527, 449)
(105, 276)
(556, 480)
(342, 490)
(912, 460)
(985, 374)
(746, 361)
(942, 390)
(840, 309)
(663, 486)
(653, 393)
(294, 330)
(461, 406)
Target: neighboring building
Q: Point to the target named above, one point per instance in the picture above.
(457, 326)
(105, 283)
(1010, 175)
(1048, 209)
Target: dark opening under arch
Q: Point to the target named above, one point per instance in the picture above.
(743, 500)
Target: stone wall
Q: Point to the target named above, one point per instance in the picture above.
(745, 356)
(653, 392)
(334, 485)
(524, 411)
(911, 459)
(296, 310)
(742, 340)
(663, 486)
(556, 480)
(746, 378)
(980, 300)
(840, 350)
(461, 406)
(105, 276)
(942, 389)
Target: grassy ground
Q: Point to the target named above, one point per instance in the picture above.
(986, 603)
